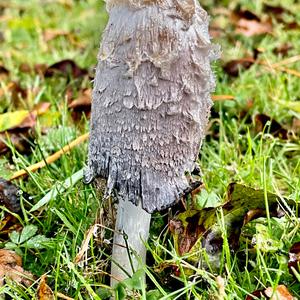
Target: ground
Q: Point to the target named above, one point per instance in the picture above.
(246, 213)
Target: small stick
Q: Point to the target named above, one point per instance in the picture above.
(222, 97)
(52, 158)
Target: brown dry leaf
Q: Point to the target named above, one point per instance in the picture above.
(274, 10)
(281, 293)
(52, 33)
(296, 126)
(38, 69)
(278, 13)
(236, 15)
(80, 105)
(83, 101)
(200, 225)
(187, 235)
(9, 195)
(65, 67)
(257, 294)
(254, 214)
(3, 73)
(25, 68)
(41, 108)
(44, 292)
(17, 93)
(294, 258)
(85, 244)
(275, 128)
(251, 28)
(19, 139)
(11, 267)
(16, 127)
(283, 49)
(292, 25)
(216, 32)
(234, 67)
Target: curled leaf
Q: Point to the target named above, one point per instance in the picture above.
(44, 292)
(234, 67)
(11, 267)
(9, 195)
(294, 258)
(65, 67)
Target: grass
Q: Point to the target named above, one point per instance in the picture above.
(233, 152)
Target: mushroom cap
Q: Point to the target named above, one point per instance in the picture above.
(151, 99)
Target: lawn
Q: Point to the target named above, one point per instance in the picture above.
(236, 235)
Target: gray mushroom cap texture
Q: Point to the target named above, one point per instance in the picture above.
(151, 99)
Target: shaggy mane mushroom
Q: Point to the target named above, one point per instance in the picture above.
(150, 108)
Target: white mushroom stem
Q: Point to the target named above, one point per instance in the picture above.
(132, 223)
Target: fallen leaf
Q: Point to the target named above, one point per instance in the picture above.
(19, 139)
(22, 118)
(80, 105)
(283, 49)
(216, 32)
(17, 93)
(279, 13)
(65, 67)
(280, 293)
(251, 28)
(83, 100)
(274, 10)
(256, 294)
(294, 258)
(9, 224)
(85, 244)
(11, 267)
(236, 15)
(41, 108)
(292, 25)
(199, 228)
(39, 69)
(296, 126)
(234, 67)
(25, 68)
(254, 214)
(275, 128)
(44, 292)
(10, 195)
(12, 120)
(3, 72)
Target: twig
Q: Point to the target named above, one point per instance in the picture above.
(52, 158)
(286, 61)
(222, 97)
(280, 66)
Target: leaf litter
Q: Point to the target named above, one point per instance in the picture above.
(199, 228)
